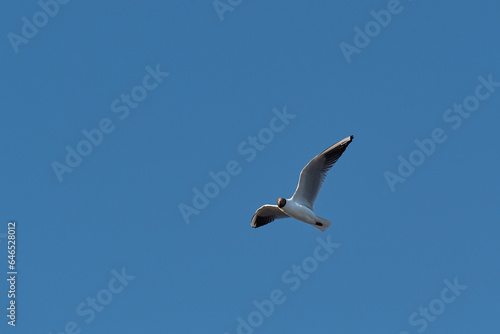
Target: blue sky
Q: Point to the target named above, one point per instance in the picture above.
(153, 98)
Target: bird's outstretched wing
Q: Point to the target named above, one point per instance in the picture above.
(266, 214)
(314, 173)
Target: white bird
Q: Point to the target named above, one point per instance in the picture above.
(300, 206)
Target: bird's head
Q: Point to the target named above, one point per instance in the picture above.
(281, 202)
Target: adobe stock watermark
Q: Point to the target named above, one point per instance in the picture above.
(292, 278)
(363, 37)
(454, 118)
(94, 304)
(249, 149)
(30, 27)
(121, 107)
(435, 307)
(223, 6)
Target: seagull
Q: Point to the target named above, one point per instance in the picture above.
(300, 206)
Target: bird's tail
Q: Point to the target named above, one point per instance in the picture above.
(322, 224)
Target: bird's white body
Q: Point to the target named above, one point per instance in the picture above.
(299, 212)
(303, 213)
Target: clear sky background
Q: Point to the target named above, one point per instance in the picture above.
(399, 245)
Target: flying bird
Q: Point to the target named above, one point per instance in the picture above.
(300, 205)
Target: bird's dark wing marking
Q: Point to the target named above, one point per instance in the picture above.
(266, 214)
